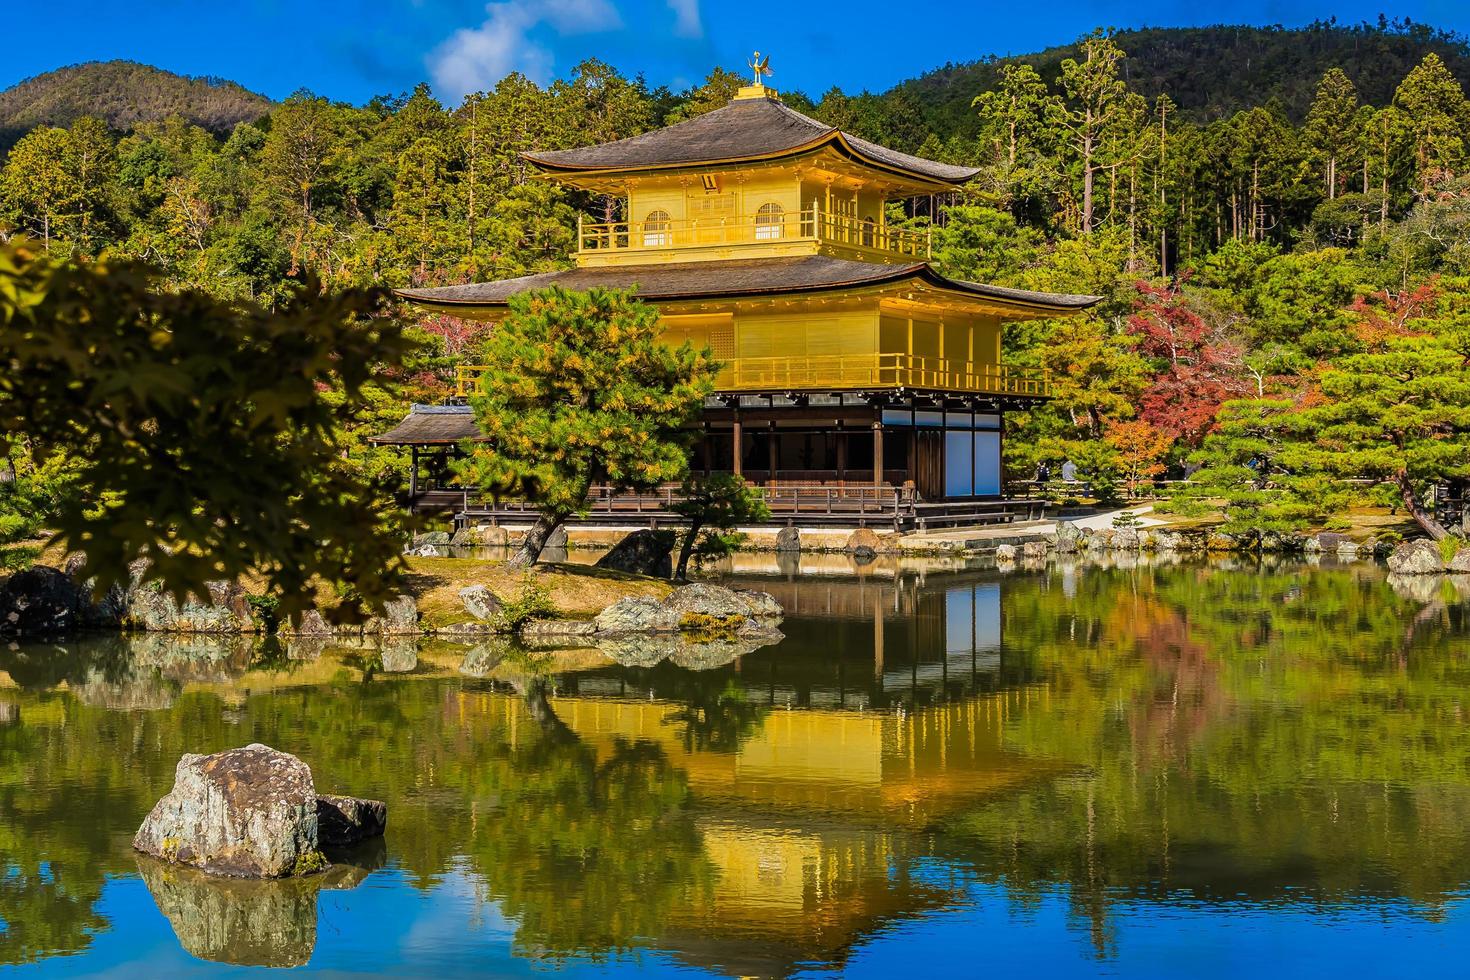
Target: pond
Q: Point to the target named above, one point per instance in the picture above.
(1122, 771)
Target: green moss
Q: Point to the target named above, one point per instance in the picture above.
(717, 625)
(310, 863)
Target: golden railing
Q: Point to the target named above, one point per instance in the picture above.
(846, 372)
(752, 229)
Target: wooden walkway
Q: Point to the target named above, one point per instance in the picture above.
(799, 506)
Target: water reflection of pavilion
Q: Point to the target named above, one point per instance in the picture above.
(859, 642)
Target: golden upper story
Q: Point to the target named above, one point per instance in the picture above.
(751, 180)
(764, 234)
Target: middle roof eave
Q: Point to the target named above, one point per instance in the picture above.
(741, 277)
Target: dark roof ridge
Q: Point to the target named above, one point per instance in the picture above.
(744, 129)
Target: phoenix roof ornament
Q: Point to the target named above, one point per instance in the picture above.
(761, 66)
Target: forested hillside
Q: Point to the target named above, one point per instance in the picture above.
(1213, 72)
(123, 94)
(1286, 301)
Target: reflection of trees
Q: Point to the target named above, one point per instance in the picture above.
(1246, 737)
(585, 847)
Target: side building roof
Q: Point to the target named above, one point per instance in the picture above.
(743, 130)
(430, 425)
(742, 277)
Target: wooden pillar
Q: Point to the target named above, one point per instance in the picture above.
(739, 438)
(841, 453)
(878, 453)
(413, 472)
(772, 457)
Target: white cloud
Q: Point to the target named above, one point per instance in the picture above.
(474, 59)
(686, 18)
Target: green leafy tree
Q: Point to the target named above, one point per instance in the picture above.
(1021, 126)
(580, 392)
(202, 435)
(715, 506)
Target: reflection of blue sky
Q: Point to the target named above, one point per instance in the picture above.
(387, 926)
(994, 936)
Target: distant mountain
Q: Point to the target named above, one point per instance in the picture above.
(124, 93)
(1214, 71)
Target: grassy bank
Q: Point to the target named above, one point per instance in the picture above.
(576, 591)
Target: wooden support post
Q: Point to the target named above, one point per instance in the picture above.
(878, 453)
(413, 473)
(771, 455)
(841, 453)
(739, 438)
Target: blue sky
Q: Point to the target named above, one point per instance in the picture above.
(353, 49)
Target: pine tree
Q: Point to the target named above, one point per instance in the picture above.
(579, 392)
(1098, 106)
(1435, 113)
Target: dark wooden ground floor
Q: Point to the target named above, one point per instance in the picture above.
(906, 459)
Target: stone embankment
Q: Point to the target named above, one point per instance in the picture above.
(253, 812)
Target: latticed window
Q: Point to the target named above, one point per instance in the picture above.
(769, 222)
(656, 230)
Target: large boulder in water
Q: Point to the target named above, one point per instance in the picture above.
(1419, 557)
(644, 552)
(344, 820)
(249, 813)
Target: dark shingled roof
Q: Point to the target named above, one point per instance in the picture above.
(743, 130)
(431, 424)
(736, 277)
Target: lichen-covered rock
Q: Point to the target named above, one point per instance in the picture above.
(1166, 541)
(762, 605)
(637, 614)
(1100, 540)
(249, 812)
(343, 820)
(538, 628)
(312, 623)
(863, 543)
(225, 610)
(481, 603)
(1348, 551)
(1419, 557)
(1069, 538)
(1005, 552)
(1220, 541)
(434, 539)
(400, 617)
(701, 603)
(424, 551)
(643, 552)
(41, 601)
(1460, 563)
(1033, 550)
(788, 539)
(1125, 539)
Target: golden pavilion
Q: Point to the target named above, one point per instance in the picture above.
(853, 371)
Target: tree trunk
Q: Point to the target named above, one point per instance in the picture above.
(681, 573)
(535, 540)
(1422, 517)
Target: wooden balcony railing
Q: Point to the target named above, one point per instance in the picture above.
(752, 229)
(847, 372)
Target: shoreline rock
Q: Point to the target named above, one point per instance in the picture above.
(251, 812)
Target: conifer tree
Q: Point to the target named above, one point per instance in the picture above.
(1332, 128)
(579, 392)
